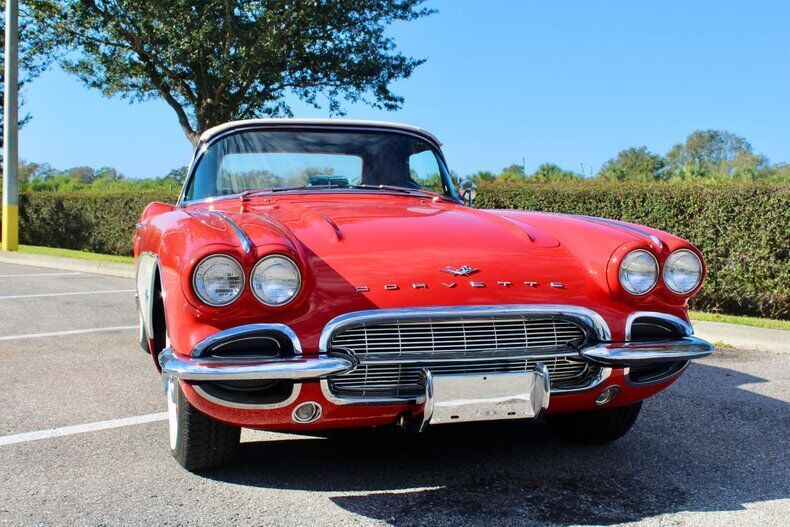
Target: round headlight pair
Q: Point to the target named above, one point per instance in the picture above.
(218, 280)
(639, 272)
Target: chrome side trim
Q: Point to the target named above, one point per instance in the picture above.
(683, 327)
(147, 264)
(244, 240)
(274, 368)
(640, 353)
(587, 317)
(297, 388)
(240, 332)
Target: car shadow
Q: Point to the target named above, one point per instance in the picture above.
(707, 444)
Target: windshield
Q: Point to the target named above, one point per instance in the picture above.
(317, 160)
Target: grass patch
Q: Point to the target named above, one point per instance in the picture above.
(745, 321)
(69, 253)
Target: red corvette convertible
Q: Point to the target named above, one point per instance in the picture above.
(320, 274)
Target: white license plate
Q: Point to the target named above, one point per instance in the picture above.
(461, 398)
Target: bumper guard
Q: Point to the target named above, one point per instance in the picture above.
(626, 354)
(274, 368)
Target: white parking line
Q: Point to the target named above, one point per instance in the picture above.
(79, 429)
(69, 332)
(36, 274)
(39, 295)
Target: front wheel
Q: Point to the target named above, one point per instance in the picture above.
(197, 441)
(595, 427)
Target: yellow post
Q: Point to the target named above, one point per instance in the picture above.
(10, 229)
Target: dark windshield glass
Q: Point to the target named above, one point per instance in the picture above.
(317, 160)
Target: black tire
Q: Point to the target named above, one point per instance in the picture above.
(198, 442)
(595, 427)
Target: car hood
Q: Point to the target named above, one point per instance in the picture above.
(379, 241)
(371, 232)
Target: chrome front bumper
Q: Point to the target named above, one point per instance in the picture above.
(200, 365)
(610, 354)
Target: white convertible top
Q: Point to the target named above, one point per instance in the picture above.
(211, 132)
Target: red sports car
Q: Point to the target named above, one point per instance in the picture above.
(321, 274)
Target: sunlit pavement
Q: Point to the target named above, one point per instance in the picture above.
(713, 450)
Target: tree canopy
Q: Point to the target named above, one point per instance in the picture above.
(214, 61)
(715, 154)
(634, 164)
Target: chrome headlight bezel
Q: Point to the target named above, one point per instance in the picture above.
(668, 270)
(267, 260)
(634, 254)
(232, 261)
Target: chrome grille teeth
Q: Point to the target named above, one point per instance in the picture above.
(424, 343)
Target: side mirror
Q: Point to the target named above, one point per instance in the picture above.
(467, 191)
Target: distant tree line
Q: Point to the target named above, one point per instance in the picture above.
(44, 177)
(704, 155)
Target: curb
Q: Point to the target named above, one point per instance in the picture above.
(120, 270)
(744, 337)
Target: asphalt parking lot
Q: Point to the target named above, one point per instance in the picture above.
(713, 450)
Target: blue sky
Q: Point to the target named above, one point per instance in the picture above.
(570, 82)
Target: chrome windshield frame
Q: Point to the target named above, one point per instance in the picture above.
(203, 147)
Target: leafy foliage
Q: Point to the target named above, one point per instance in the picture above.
(101, 222)
(43, 177)
(634, 164)
(715, 154)
(549, 172)
(704, 155)
(35, 51)
(741, 228)
(215, 61)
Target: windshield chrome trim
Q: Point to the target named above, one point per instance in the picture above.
(203, 146)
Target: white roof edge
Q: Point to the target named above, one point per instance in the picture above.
(211, 132)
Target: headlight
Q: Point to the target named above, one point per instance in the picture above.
(218, 280)
(638, 272)
(275, 280)
(682, 271)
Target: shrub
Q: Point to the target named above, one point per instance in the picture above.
(742, 229)
(101, 222)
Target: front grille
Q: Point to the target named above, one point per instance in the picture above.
(457, 337)
(393, 354)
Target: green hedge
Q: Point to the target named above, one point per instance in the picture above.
(743, 230)
(101, 222)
